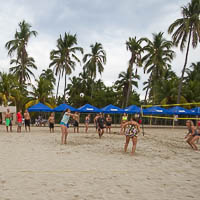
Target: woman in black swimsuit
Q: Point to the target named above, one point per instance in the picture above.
(108, 123)
(132, 128)
(196, 136)
(192, 135)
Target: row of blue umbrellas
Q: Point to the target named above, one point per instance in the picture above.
(87, 108)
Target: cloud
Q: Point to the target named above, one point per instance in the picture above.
(109, 22)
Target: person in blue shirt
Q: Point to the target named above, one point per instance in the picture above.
(65, 125)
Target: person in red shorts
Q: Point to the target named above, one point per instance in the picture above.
(19, 121)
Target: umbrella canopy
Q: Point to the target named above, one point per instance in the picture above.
(112, 109)
(40, 107)
(179, 111)
(155, 110)
(87, 108)
(132, 109)
(63, 107)
(195, 111)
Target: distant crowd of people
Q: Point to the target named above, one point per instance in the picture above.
(129, 128)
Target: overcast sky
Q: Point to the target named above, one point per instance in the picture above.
(110, 22)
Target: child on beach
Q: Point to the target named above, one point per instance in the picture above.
(132, 128)
(65, 125)
(51, 121)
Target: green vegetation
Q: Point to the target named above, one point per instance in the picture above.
(20, 87)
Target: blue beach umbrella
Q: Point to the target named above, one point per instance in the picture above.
(132, 109)
(63, 107)
(112, 109)
(195, 111)
(179, 111)
(39, 107)
(87, 108)
(155, 110)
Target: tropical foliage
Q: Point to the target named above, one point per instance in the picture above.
(23, 87)
(64, 58)
(185, 32)
(18, 46)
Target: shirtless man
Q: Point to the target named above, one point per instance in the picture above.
(27, 120)
(51, 121)
(76, 118)
(8, 120)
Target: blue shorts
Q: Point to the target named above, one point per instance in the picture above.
(62, 123)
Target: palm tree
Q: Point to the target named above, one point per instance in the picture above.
(64, 57)
(48, 74)
(7, 85)
(147, 87)
(23, 72)
(94, 61)
(186, 31)
(191, 82)
(193, 73)
(123, 84)
(134, 46)
(18, 46)
(41, 92)
(157, 60)
(58, 68)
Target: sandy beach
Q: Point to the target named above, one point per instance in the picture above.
(35, 166)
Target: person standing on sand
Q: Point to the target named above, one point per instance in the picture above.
(95, 121)
(76, 119)
(132, 128)
(8, 119)
(87, 121)
(101, 125)
(123, 121)
(192, 134)
(27, 120)
(51, 121)
(65, 125)
(19, 121)
(108, 123)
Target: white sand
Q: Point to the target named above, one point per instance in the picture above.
(36, 167)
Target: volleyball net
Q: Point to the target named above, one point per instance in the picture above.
(185, 111)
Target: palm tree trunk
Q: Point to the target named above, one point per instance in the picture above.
(146, 93)
(130, 79)
(147, 90)
(92, 88)
(58, 85)
(184, 67)
(65, 88)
